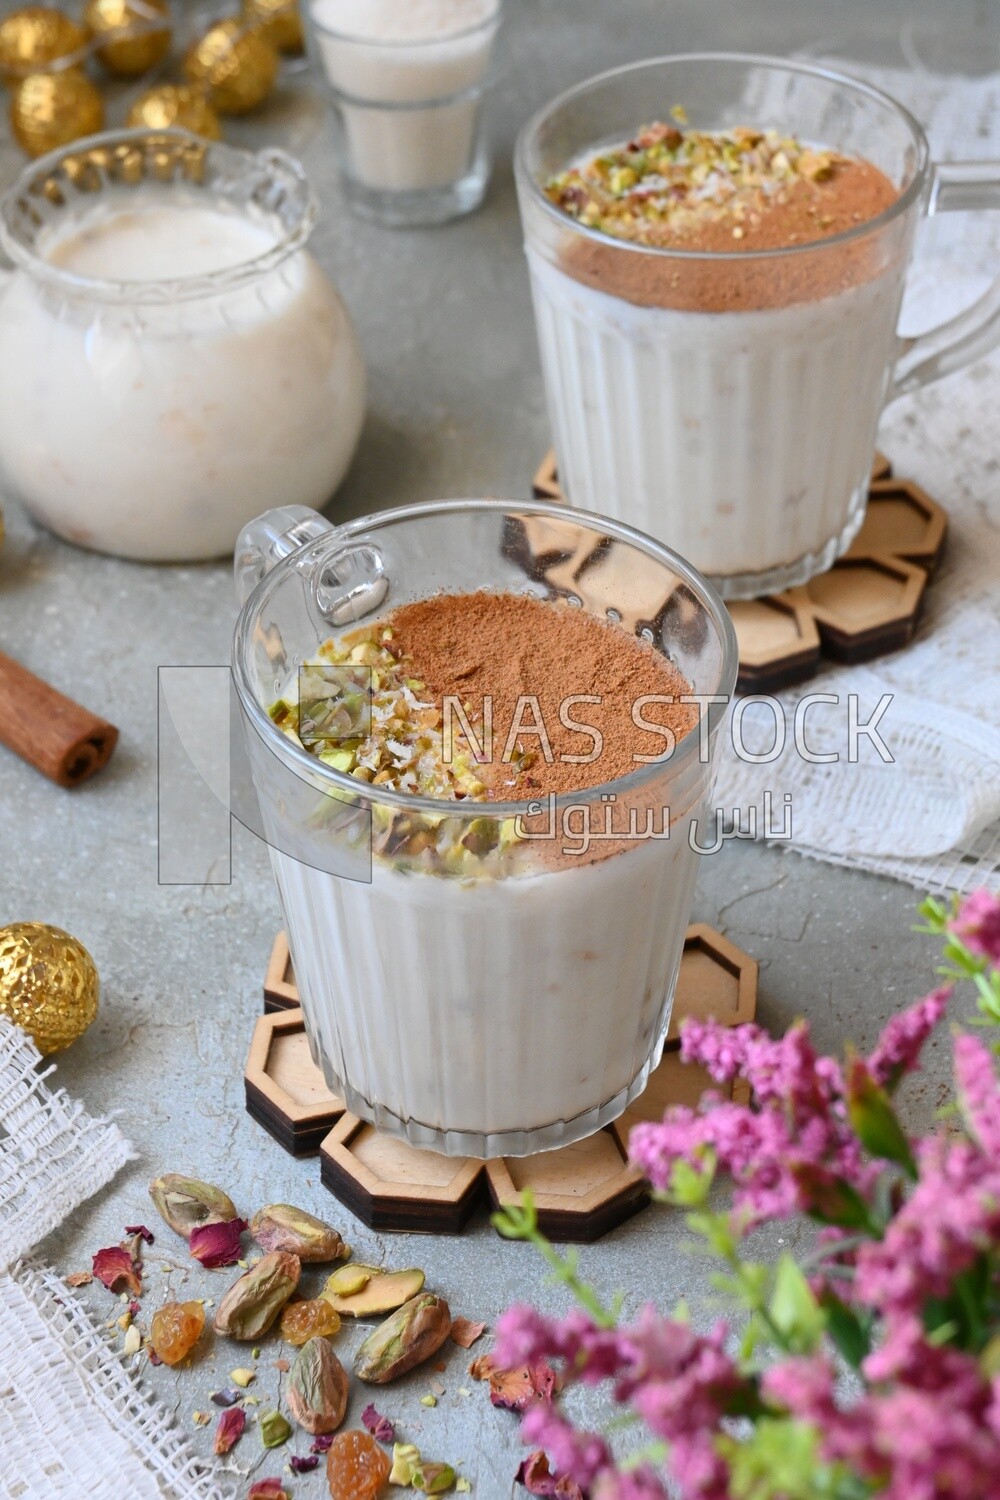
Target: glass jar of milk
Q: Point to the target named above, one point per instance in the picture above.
(171, 356)
(408, 79)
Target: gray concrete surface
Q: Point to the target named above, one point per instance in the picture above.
(456, 408)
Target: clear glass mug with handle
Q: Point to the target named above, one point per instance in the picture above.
(727, 402)
(478, 991)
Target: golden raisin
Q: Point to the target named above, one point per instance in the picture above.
(302, 1321)
(175, 1330)
(356, 1467)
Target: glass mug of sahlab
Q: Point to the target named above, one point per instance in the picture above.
(172, 358)
(517, 1000)
(728, 402)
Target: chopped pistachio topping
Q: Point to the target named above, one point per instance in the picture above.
(666, 181)
(360, 709)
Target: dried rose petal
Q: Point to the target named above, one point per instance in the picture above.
(302, 1465)
(515, 1389)
(115, 1267)
(78, 1278)
(268, 1489)
(537, 1480)
(140, 1229)
(228, 1397)
(217, 1245)
(322, 1443)
(229, 1430)
(380, 1427)
(464, 1333)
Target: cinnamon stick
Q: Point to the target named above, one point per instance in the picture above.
(58, 737)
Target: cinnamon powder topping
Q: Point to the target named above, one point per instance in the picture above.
(512, 666)
(722, 192)
(506, 647)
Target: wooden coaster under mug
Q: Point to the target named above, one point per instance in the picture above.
(581, 1191)
(867, 604)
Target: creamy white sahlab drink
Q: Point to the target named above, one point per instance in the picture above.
(501, 983)
(716, 333)
(408, 77)
(155, 428)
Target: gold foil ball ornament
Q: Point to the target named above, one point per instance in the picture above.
(132, 36)
(35, 37)
(235, 65)
(52, 109)
(176, 105)
(48, 984)
(280, 22)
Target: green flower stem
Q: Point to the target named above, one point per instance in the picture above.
(521, 1223)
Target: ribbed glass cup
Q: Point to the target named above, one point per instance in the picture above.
(519, 1001)
(725, 402)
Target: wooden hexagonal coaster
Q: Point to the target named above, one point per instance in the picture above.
(674, 1082)
(866, 605)
(902, 521)
(582, 1190)
(285, 1091)
(390, 1184)
(546, 486)
(716, 980)
(280, 992)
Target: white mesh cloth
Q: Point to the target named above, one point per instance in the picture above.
(73, 1421)
(53, 1155)
(933, 817)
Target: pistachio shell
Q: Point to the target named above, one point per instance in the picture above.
(256, 1298)
(282, 1226)
(185, 1203)
(413, 1333)
(317, 1387)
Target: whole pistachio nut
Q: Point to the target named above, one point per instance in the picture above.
(185, 1203)
(317, 1387)
(254, 1300)
(281, 1226)
(413, 1333)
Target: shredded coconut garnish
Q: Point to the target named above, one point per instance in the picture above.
(361, 711)
(667, 181)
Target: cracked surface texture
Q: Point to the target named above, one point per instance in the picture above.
(456, 409)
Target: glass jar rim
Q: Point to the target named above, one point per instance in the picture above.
(898, 206)
(163, 291)
(408, 43)
(279, 743)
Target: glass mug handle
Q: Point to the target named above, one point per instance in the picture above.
(957, 185)
(265, 541)
(348, 578)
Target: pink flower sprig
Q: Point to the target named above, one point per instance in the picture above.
(904, 1284)
(798, 1146)
(971, 930)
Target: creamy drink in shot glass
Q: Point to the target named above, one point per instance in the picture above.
(521, 769)
(717, 248)
(408, 77)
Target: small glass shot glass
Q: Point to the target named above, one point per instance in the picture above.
(409, 118)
